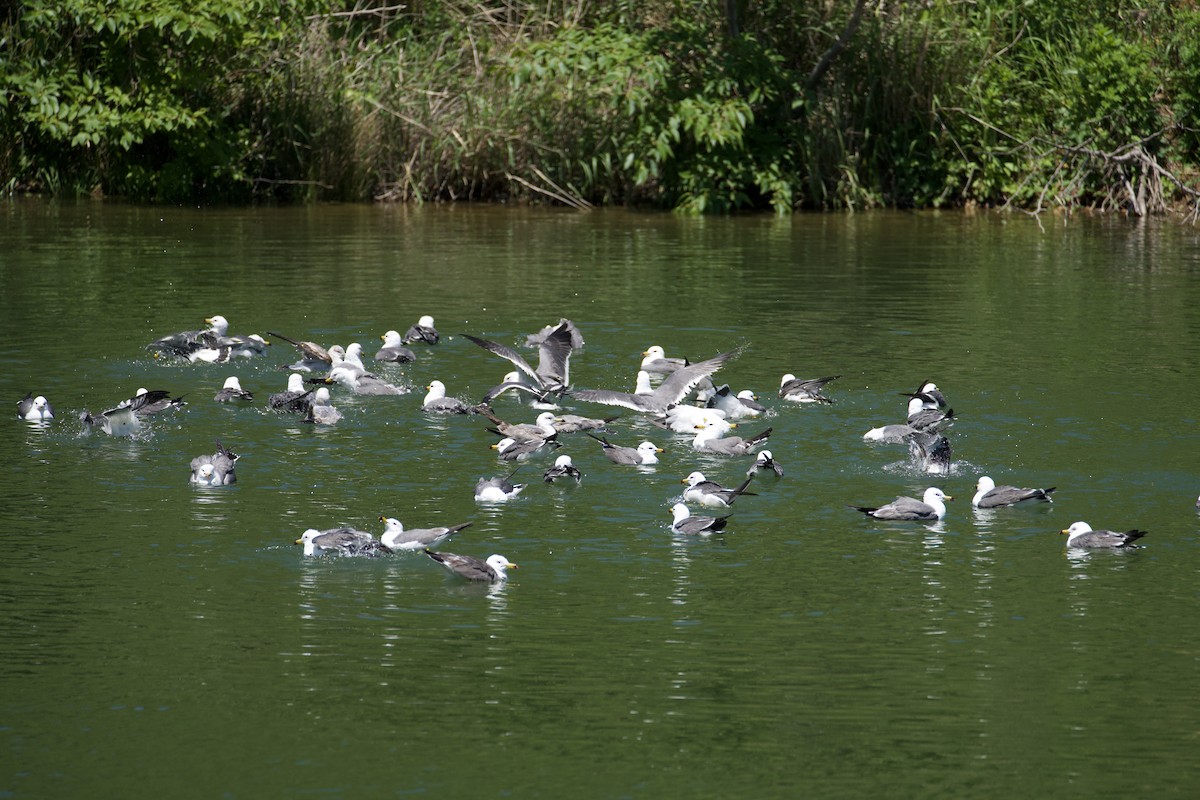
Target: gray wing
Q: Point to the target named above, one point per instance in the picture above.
(809, 386)
(428, 536)
(668, 393)
(1110, 539)
(400, 355)
(637, 402)
(310, 350)
(507, 353)
(420, 333)
(664, 366)
(347, 540)
(447, 405)
(554, 358)
(701, 524)
(370, 385)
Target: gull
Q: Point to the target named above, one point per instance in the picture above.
(492, 570)
(655, 361)
(232, 391)
(314, 358)
(394, 350)
(892, 434)
(684, 522)
(935, 399)
(125, 418)
(765, 461)
(497, 490)
(573, 423)
(710, 493)
(320, 410)
(343, 541)
(736, 406)
(563, 468)
(989, 495)
(930, 452)
(363, 383)
(295, 399)
(554, 361)
(511, 449)
(542, 427)
(709, 440)
(642, 455)
(1080, 534)
(436, 401)
(535, 339)
(512, 381)
(669, 392)
(395, 537)
(931, 506)
(423, 331)
(806, 390)
(186, 342)
(34, 409)
(924, 415)
(214, 470)
(684, 419)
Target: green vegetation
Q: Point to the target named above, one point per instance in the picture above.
(702, 106)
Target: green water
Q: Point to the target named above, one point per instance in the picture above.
(159, 640)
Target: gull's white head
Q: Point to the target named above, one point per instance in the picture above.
(545, 421)
(935, 497)
(694, 478)
(1076, 530)
(233, 383)
(39, 408)
(392, 525)
(220, 325)
(746, 394)
(141, 391)
(984, 484)
(496, 561)
(295, 382)
(354, 353)
(915, 405)
(425, 321)
(764, 456)
(648, 452)
(392, 339)
(563, 461)
(787, 377)
(437, 391)
(321, 398)
(307, 538)
(504, 444)
(337, 354)
(654, 352)
(680, 512)
(206, 474)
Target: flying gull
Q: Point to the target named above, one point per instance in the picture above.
(932, 506)
(684, 522)
(670, 391)
(214, 470)
(395, 537)
(1080, 534)
(34, 409)
(535, 339)
(712, 494)
(553, 373)
(492, 570)
(989, 495)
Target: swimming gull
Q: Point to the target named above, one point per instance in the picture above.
(343, 541)
(655, 362)
(684, 522)
(930, 452)
(395, 537)
(436, 401)
(709, 440)
(736, 406)
(542, 427)
(124, 419)
(363, 383)
(1080, 534)
(34, 409)
(492, 570)
(765, 462)
(535, 339)
(670, 391)
(931, 506)
(394, 350)
(313, 357)
(806, 390)
(989, 495)
(511, 449)
(685, 418)
(294, 400)
(643, 455)
(184, 343)
(710, 493)
(553, 373)
(233, 392)
(497, 490)
(215, 469)
(573, 423)
(563, 468)
(932, 394)
(320, 409)
(423, 331)
(512, 381)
